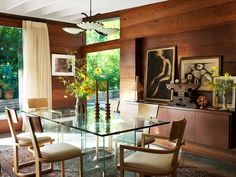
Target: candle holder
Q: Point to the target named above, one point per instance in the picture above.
(108, 112)
(97, 108)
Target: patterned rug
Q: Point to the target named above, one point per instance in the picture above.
(72, 166)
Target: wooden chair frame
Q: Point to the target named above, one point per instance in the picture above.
(176, 135)
(40, 103)
(12, 118)
(39, 159)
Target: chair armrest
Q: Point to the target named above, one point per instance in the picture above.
(57, 112)
(158, 151)
(145, 135)
(135, 148)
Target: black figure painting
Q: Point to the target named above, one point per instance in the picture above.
(159, 72)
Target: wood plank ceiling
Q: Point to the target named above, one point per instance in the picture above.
(67, 11)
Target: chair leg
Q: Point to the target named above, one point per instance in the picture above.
(115, 154)
(81, 172)
(16, 159)
(97, 147)
(62, 168)
(174, 174)
(122, 173)
(38, 168)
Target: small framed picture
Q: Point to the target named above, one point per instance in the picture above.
(199, 70)
(62, 65)
(230, 95)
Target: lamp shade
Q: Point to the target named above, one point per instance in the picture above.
(90, 25)
(72, 30)
(108, 31)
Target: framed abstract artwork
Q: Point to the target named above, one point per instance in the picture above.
(160, 69)
(61, 65)
(199, 70)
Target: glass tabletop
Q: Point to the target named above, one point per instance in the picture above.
(118, 123)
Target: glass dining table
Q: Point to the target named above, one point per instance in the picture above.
(95, 137)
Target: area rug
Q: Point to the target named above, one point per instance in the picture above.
(72, 166)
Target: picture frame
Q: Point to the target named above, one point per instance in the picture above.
(231, 95)
(61, 66)
(199, 70)
(160, 70)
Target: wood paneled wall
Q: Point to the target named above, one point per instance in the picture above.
(59, 42)
(196, 28)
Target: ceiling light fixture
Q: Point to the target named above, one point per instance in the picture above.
(90, 25)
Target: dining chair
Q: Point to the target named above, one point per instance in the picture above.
(154, 162)
(52, 152)
(134, 138)
(144, 110)
(114, 105)
(24, 140)
(40, 104)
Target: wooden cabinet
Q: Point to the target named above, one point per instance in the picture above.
(212, 129)
(207, 127)
(190, 116)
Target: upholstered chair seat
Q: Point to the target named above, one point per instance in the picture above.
(161, 161)
(149, 163)
(59, 151)
(25, 138)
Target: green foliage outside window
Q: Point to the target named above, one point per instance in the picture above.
(93, 37)
(11, 58)
(108, 63)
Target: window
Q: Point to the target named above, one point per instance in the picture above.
(10, 63)
(108, 63)
(93, 37)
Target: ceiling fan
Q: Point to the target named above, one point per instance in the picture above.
(88, 24)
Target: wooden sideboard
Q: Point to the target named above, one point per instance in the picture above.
(207, 127)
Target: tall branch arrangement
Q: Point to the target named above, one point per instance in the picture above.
(83, 85)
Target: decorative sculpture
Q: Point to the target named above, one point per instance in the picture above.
(202, 101)
(180, 97)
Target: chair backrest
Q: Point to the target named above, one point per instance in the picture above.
(32, 128)
(177, 131)
(38, 103)
(147, 110)
(114, 105)
(176, 134)
(12, 119)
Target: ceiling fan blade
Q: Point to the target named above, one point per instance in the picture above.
(84, 14)
(101, 33)
(97, 14)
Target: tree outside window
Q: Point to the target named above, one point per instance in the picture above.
(10, 58)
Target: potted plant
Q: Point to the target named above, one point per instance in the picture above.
(8, 92)
(222, 87)
(8, 79)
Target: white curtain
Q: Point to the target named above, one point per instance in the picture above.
(36, 62)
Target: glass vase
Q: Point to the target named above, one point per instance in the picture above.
(216, 100)
(224, 108)
(80, 107)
